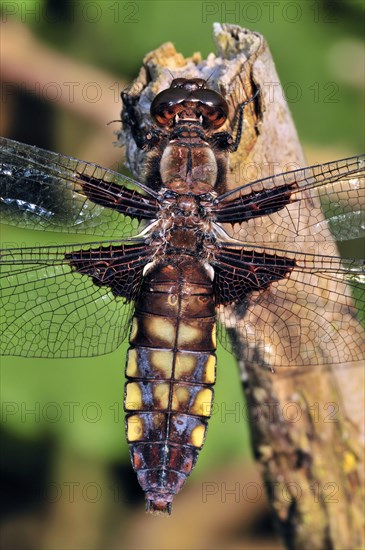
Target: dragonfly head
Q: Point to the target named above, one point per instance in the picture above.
(189, 100)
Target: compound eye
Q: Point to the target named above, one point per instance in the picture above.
(213, 108)
(164, 117)
(165, 105)
(216, 117)
(178, 83)
(200, 82)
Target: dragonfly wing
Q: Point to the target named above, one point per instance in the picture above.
(47, 191)
(66, 301)
(275, 209)
(291, 308)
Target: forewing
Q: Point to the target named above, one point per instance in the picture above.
(66, 301)
(275, 209)
(47, 191)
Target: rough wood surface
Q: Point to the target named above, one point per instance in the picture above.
(307, 423)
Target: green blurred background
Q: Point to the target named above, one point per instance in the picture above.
(67, 477)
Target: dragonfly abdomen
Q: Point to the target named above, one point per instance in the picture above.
(170, 373)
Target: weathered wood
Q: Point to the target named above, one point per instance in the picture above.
(307, 423)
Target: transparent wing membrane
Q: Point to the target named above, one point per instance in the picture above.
(292, 309)
(46, 191)
(298, 205)
(66, 302)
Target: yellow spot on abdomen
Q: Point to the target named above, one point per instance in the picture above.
(162, 361)
(185, 364)
(133, 396)
(134, 428)
(209, 375)
(187, 334)
(203, 403)
(161, 395)
(214, 335)
(132, 367)
(180, 397)
(197, 436)
(161, 329)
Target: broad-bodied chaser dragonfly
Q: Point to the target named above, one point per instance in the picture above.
(177, 260)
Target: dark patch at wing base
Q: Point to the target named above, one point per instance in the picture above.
(240, 272)
(110, 195)
(118, 267)
(254, 204)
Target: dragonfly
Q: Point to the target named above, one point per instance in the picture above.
(184, 255)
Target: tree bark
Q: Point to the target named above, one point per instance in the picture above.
(307, 423)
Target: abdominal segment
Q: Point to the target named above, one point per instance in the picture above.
(170, 375)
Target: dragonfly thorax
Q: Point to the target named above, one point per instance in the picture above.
(187, 167)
